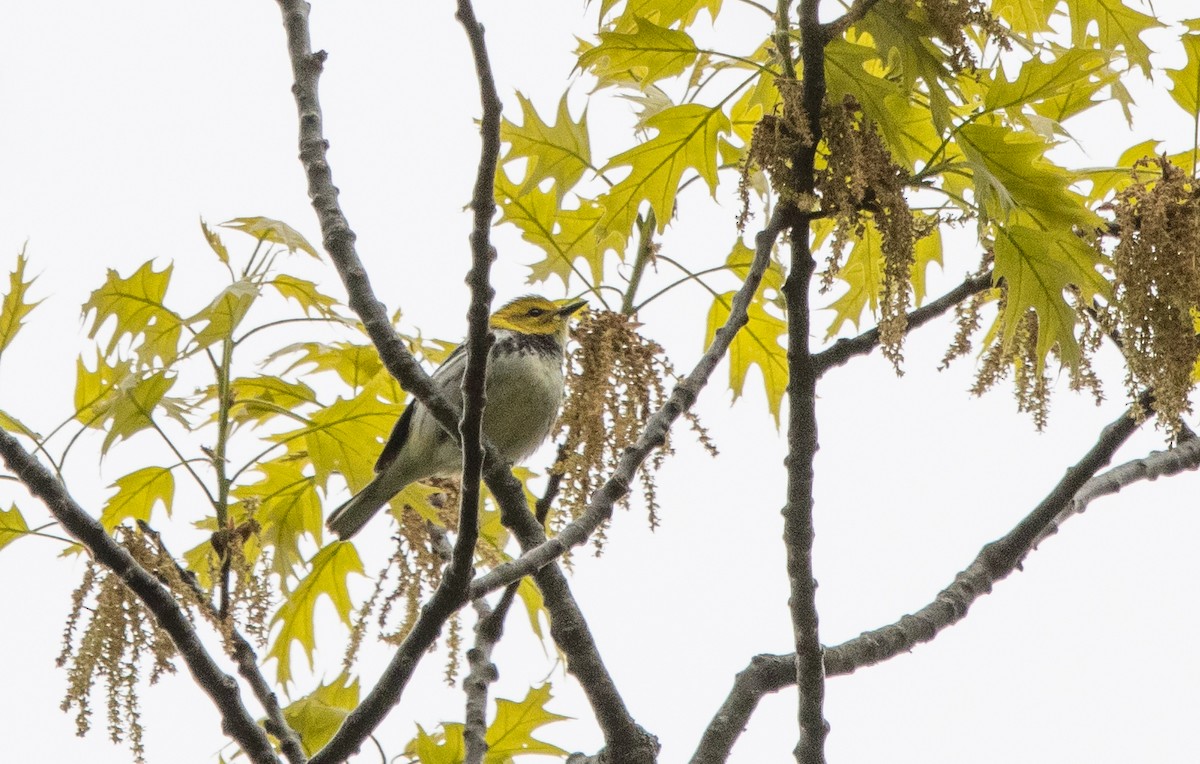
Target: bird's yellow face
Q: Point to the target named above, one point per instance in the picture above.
(536, 315)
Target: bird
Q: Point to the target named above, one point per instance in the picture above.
(524, 388)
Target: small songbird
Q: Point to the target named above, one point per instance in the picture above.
(524, 390)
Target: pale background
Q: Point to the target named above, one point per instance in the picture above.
(125, 122)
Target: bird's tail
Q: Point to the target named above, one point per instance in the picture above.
(349, 518)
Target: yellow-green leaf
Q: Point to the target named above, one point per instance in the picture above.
(222, 316)
(1025, 17)
(306, 293)
(535, 607)
(649, 54)
(257, 399)
(14, 307)
(12, 525)
(355, 364)
(560, 151)
(345, 437)
(136, 306)
(316, 716)
(447, 747)
(1118, 25)
(327, 576)
(214, 241)
(137, 494)
(566, 236)
(131, 409)
(1011, 174)
(12, 424)
(287, 507)
(1039, 80)
(686, 139)
(1037, 266)
(757, 344)
(664, 12)
(274, 231)
(511, 733)
(863, 275)
(1185, 82)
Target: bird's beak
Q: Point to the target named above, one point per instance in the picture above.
(571, 307)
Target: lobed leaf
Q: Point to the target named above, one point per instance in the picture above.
(137, 495)
(757, 344)
(328, 573)
(15, 307)
(317, 716)
(560, 152)
(12, 525)
(135, 304)
(274, 231)
(639, 58)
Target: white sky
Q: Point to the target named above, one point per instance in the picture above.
(126, 122)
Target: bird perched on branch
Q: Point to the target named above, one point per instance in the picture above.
(524, 390)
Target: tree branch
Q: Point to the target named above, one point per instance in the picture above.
(488, 631)
(1078, 488)
(802, 415)
(223, 689)
(845, 349)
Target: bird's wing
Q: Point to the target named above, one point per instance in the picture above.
(447, 378)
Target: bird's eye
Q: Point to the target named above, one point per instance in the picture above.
(535, 312)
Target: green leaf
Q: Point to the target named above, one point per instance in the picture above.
(535, 606)
(258, 399)
(118, 397)
(863, 275)
(12, 525)
(1185, 82)
(1025, 17)
(566, 236)
(355, 364)
(1011, 173)
(317, 716)
(287, 507)
(926, 250)
(345, 437)
(686, 139)
(664, 12)
(903, 35)
(214, 241)
(1037, 266)
(222, 316)
(1119, 26)
(12, 424)
(757, 344)
(447, 747)
(1039, 80)
(136, 306)
(14, 307)
(274, 231)
(511, 733)
(327, 576)
(306, 293)
(649, 54)
(137, 494)
(560, 151)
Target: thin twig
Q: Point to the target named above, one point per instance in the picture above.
(995, 562)
(488, 631)
(845, 349)
(219, 686)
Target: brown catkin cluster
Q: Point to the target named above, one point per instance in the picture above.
(860, 178)
(952, 18)
(614, 383)
(778, 141)
(109, 634)
(1157, 276)
(411, 573)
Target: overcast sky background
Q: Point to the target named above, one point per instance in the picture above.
(127, 122)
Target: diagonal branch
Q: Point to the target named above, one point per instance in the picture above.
(1077, 489)
(223, 689)
(845, 349)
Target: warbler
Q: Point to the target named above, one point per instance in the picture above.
(524, 389)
